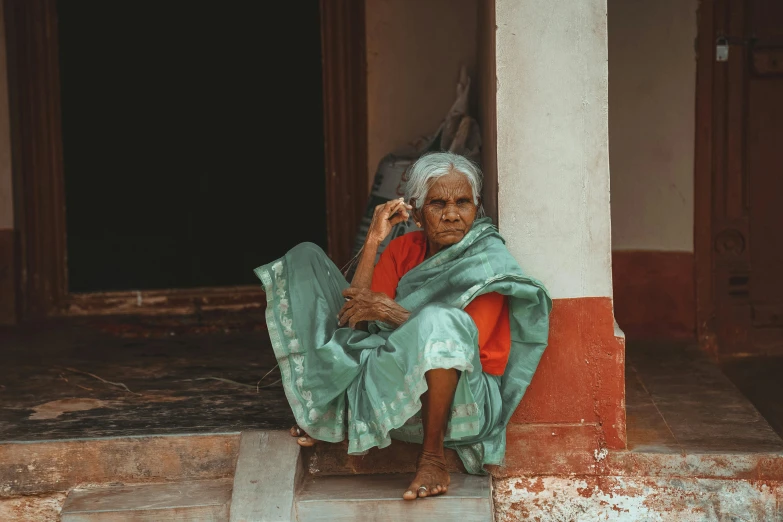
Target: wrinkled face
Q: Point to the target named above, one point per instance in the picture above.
(448, 212)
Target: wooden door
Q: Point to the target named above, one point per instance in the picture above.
(740, 177)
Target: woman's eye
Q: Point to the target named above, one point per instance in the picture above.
(437, 202)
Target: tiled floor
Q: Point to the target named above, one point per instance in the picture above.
(55, 382)
(677, 400)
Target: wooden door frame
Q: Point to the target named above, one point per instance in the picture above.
(38, 174)
(343, 45)
(703, 160)
(39, 195)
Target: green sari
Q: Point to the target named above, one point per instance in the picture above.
(367, 385)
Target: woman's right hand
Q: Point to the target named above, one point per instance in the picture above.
(384, 218)
(363, 305)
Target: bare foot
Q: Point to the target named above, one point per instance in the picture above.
(431, 477)
(303, 439)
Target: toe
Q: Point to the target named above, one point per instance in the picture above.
(305, 441)
(411, 492)
(295, 431)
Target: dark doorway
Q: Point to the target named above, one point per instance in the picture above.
(192, 134)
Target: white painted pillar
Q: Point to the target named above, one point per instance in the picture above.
(552, 142)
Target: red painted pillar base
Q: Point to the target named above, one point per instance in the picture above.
(575, 406)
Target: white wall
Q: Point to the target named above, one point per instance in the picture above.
(6, 193)
(414, 52)
(553, 158)
(652, 85)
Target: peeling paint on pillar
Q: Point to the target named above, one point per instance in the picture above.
(637, 499)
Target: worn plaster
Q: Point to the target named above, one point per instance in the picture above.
(37, 508)
(640, 499)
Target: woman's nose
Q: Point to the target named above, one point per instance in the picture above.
(450, 213)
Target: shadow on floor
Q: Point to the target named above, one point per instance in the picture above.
(760, 379)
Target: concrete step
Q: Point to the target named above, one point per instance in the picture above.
(197, 501)
(269, 471)
(379, 498)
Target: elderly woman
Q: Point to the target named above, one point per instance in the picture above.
(436, 344)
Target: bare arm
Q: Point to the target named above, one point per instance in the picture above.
(362, 278)
(383, 220)
(362, 304)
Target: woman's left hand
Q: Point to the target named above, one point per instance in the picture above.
(365, 305)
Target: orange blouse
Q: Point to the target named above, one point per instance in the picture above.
(488, 311)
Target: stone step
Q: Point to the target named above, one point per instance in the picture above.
(132, 459)
(379, 497)
(197, 501)
(399, 457)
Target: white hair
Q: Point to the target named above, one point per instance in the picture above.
(433, 165)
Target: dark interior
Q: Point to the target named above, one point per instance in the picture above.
(192, 133)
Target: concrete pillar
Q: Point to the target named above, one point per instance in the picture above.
(553, 209)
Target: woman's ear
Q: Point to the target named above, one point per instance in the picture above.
(480, 213)
(415, 213)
